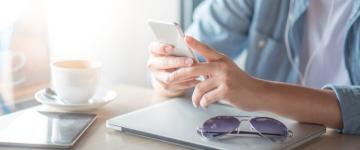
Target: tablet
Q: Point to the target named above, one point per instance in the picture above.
(45, 129)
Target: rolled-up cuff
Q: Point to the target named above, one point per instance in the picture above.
(349, 102)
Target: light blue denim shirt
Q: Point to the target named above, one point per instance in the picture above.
(258, 27)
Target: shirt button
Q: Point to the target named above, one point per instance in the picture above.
(261, 43)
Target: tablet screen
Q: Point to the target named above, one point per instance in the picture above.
(45, 129)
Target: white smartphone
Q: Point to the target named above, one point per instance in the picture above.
(171, 33)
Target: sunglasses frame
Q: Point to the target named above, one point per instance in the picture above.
(237, 130)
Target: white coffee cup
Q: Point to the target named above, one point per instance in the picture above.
(75, 81)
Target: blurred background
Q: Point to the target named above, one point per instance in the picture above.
(34, 33)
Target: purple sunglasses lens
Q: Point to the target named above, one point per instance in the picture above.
(266, 125)
(218, 125)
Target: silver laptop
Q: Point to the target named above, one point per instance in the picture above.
(176, 121)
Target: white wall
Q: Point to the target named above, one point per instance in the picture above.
(113, 31)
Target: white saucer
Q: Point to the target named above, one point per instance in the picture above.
(100, 98)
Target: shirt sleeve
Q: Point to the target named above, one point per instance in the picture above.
(349, 101)
(223, 25)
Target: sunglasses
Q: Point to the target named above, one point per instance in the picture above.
(266, 127)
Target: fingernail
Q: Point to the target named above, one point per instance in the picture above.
(202, 106)
(169, 49)
(189, 61)
(195, 105)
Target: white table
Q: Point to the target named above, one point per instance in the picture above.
(130, 98)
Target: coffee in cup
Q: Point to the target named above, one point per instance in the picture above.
(75, 81)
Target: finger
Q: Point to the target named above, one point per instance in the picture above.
(211, 97)
(160, 49)
(188, 79)
(169, 62)
(209, 53)
(203, 69)
(165, 77)
(178, 86)
(162, 75)
(185, 85)
(201, 89)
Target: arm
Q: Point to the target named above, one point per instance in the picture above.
(300, 103)
(228, 82)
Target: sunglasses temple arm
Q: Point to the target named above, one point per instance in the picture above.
(240, 132)
(248, 132)
(243, 132)
(262, 135)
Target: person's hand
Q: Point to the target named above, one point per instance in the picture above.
(226, 81)
(163, 66)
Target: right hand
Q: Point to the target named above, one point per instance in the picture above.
(162, 67)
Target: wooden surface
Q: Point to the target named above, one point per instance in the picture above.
(130, 98)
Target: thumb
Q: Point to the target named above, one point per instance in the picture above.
(209, 53)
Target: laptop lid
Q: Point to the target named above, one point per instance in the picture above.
(176, 121)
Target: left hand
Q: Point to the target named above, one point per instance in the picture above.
(226, 81)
